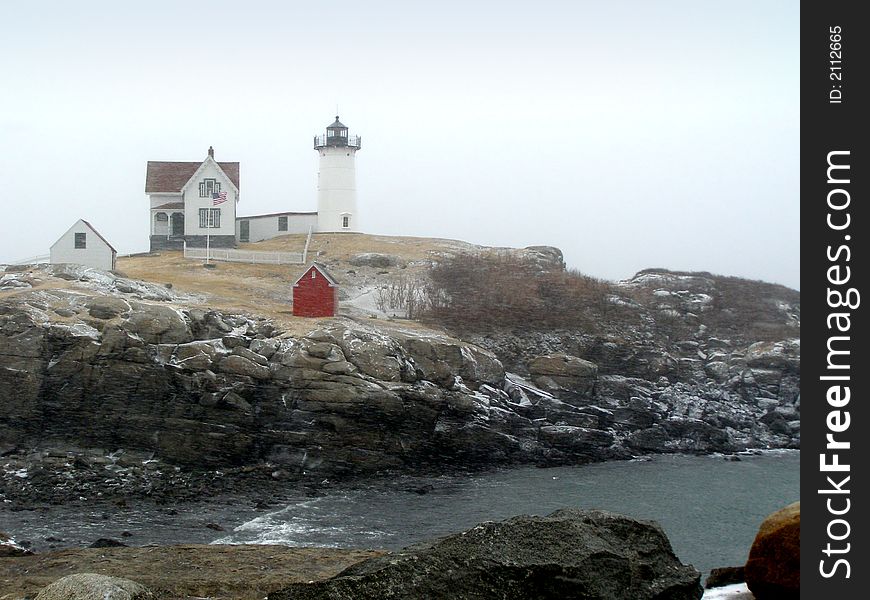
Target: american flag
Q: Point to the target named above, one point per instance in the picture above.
(218, 198)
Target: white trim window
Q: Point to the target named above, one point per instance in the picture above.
(209, 218)
(207, 187)
(345, 221)
(81, 241)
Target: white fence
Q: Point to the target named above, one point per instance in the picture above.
(246, 256)
(32, 260)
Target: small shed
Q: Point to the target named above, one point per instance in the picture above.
(83, 245)
(315, 293)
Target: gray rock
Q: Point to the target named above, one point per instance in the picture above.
(90, 586)
(8, 547)
(196, 356)
(374, 259)
(341, 367)
(564, 373)
(580, 440)
(158, 324)
(265, 348)
(723, 576)
(784, 355)
(107, 307)
(239, 365)
(233, 400)
(549, 258)
(234, 341)
(325, 350)
(250, 355)
(440, 360)
(571, 553)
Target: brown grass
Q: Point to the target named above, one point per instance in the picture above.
(266, 290)
(214, 571)
(341, 246)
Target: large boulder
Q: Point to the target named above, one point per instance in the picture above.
(442, 359)
(107, 307)
(90, 586)
(564, 373)
(158, 324)
(548, 258)
(571, 553)
(782, 356)
(773, 569)
(374, 259)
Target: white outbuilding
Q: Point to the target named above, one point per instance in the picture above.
(83, 245)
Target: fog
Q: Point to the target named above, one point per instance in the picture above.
(630, 134)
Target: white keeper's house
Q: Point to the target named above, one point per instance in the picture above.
(192, 200)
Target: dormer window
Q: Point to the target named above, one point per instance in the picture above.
(207, 187)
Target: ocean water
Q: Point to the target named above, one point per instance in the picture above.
(709, 507)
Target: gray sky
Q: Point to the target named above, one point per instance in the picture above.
(630, 134)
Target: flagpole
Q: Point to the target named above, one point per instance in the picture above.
(216, 198)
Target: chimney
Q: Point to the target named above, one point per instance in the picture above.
(211, 152)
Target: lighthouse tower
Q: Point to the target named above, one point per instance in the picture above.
(336, 179)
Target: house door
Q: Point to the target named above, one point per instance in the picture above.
(177, 223)
(244, 231)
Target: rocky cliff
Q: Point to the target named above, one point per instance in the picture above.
(92, 362)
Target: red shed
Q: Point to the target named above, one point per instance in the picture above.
(315, 293)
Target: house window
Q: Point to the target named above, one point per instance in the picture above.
(282, 223)
(313, 274)
(207, 187)
(81, 241)
(344, 133)
(209, 218)
(345, 221)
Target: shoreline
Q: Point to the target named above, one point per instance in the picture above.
(180, 487)
(218, 517)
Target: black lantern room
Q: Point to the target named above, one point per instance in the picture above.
(337, 135)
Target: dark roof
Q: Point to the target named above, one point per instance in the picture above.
(278, 214)
(163, 176)
(322, 270)
(337, 124)
(169, 205)
(100, 236)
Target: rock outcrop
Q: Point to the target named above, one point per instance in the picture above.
(570, 375)
(374, 259)
(773, 569)
(91, 586)
(569, 554)
(111, 363)
(8, 547)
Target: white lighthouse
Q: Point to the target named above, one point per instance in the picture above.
(336, 179)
